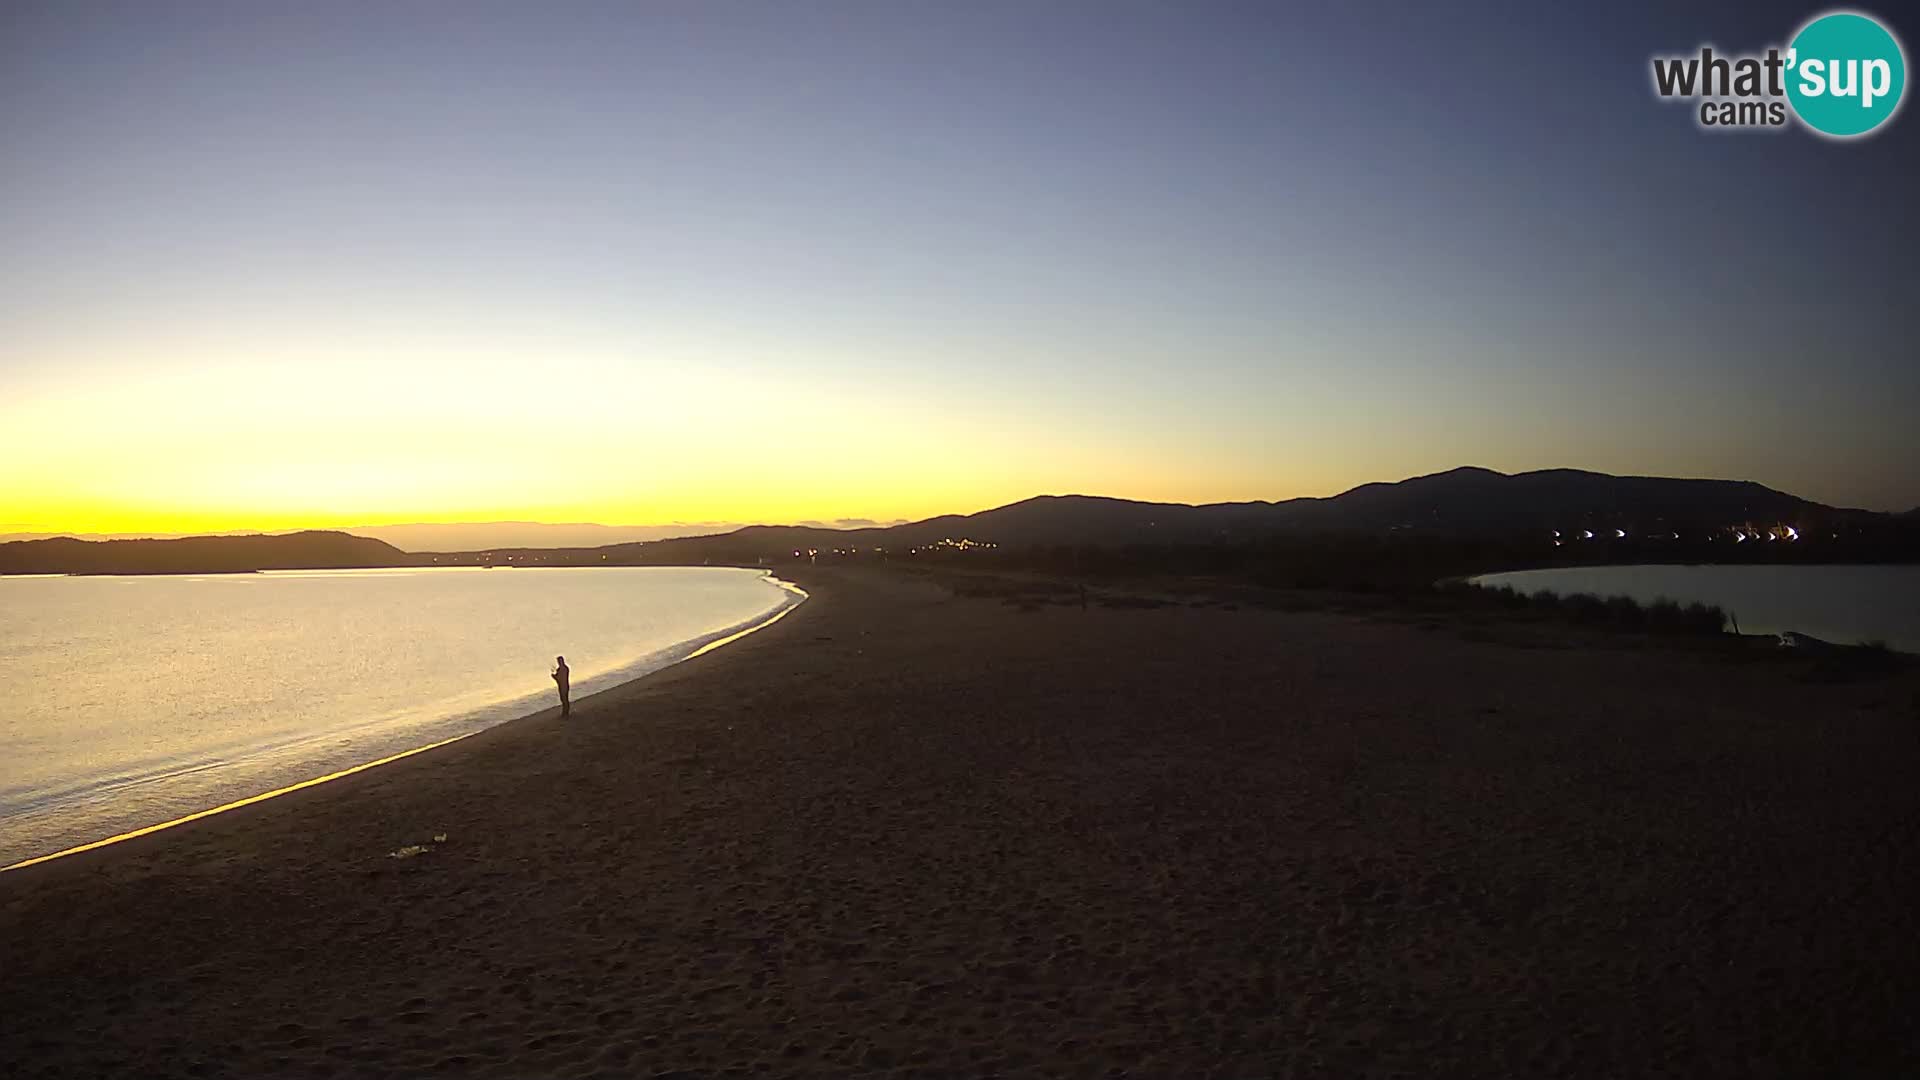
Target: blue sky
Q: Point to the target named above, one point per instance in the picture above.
(641, 262)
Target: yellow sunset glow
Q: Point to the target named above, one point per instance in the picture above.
(231, 446)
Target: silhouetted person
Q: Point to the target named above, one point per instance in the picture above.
(560, 675)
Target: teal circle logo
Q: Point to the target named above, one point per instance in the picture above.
(1846, 74)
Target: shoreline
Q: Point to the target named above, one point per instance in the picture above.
(1779, 613)
(718, 638)
(916, 833)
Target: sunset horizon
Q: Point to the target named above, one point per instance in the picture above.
(552, 271)
(868, 539)
(222, 525)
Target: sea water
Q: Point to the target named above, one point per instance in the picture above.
(129, 701)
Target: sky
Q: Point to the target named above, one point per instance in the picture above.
(272, 265)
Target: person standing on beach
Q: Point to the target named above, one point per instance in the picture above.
(560, 675)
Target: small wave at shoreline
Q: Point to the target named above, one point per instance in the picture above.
(271, 769)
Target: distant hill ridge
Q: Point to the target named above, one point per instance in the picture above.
(311, 550)
(1466, 501)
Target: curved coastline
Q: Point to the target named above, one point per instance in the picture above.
(700, 646)
(906, 802)
(437, 725)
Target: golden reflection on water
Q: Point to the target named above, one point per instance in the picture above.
(236, 804)
(777, 616)
(389, 759)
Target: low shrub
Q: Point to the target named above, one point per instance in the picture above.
(1614, 612)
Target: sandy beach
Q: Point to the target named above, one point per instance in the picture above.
(905, 833)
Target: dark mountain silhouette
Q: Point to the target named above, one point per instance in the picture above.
(1461, 503)
(1481, 501)
(198, 554)
(1465, 501)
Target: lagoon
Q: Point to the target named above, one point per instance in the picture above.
(1847, 605)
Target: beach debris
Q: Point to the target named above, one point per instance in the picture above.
(410, 850)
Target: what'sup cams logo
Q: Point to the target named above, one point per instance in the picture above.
(1842, 75)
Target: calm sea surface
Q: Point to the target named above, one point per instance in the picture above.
(1844, 604)
(128, 701)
